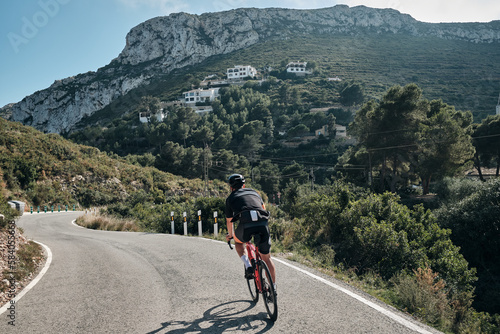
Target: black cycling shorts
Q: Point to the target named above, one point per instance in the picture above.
(244, 234)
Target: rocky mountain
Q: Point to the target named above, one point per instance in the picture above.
(162, 44)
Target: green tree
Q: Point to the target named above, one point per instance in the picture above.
(149, 104)
(444, 144)
(388, 131)
(248, 138)
(157, 134)
(351, 93)
(267, 176)
(222, 133)
(170, 158)
(298, 130)
(203, 135)
(293, 172)
(485, 139)
(192, 162)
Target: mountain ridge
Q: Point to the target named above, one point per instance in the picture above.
(166, 43)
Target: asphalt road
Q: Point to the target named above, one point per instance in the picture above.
(124, 282)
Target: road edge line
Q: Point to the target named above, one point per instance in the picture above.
(363, 300)
(73, 222)
(34, 281)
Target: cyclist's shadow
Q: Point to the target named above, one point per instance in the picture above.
(221, 318)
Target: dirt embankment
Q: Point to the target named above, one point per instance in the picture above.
(20, 260)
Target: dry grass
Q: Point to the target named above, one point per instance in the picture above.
(101, 222)
(29, 257)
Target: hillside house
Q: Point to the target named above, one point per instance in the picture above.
(323, 131)
(340, 131)
(145, 116)
(194, 96)
(199, 99)
(298, 68)
(240, 72)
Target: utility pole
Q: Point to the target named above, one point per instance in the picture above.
(205, 168)
(370, 175)
(498, 105)
(311, 175)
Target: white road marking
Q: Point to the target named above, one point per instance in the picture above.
(33, 282)
(74, 223)
(365, 301)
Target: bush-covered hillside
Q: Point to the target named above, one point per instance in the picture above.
(46, 169)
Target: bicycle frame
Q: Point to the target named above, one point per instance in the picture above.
(254, 257)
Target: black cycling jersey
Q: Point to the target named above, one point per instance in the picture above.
(245, 205)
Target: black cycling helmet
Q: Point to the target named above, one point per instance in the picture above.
(236, 181)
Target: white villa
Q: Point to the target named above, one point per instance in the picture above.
(198, 99)
(145, 117)
(200, 96)
(298, 68)
(239, 72)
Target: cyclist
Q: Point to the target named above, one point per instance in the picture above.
(246, 205)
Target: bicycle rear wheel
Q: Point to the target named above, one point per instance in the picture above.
(252, 287)
(268, 292)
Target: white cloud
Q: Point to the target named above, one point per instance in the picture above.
(164, 7)
(439, 10)
(422, 10)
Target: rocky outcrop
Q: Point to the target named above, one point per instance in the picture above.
(163, 44)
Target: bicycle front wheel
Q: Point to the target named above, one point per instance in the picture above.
(252, 287)
(268, 292)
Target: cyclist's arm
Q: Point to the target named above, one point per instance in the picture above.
(230, 229)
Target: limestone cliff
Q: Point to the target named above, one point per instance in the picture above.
(163, 44)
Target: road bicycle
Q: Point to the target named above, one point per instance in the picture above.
(262, 282)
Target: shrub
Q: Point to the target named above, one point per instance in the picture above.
(453, 190)
(424, 295)
(381, 234)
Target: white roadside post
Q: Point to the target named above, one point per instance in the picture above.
(172, 227)
(216, 226)
(199, 224)
(184, 214)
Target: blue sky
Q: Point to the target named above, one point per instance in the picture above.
(46, 40)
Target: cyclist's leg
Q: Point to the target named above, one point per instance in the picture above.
(265, 249)
(270, 264)
(239, 244)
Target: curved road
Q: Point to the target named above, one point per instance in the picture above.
(123, 282)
